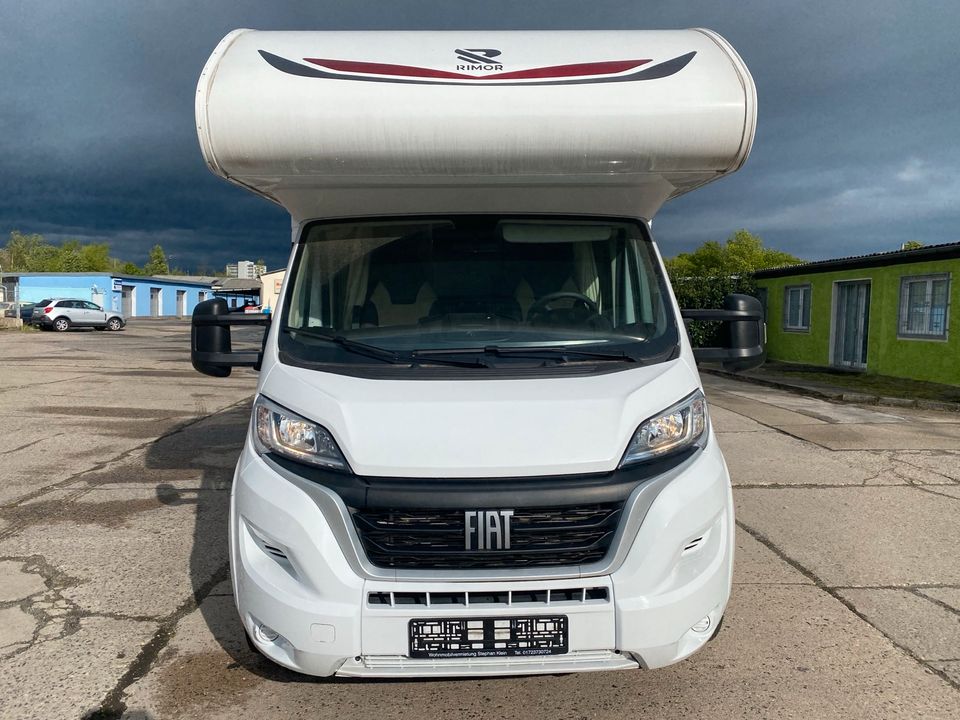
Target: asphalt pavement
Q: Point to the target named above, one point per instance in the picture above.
(116, 460)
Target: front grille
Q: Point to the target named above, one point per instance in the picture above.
(540, 537)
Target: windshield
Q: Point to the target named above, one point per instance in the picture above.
(476, 284)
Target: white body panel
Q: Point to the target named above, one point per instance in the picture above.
(447, 428)
(657, 594)
(399, 140)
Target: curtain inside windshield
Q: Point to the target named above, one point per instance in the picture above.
(476, 281)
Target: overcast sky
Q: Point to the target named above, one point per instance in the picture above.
(856, 151)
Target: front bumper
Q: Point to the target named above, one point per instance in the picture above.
(307, 606)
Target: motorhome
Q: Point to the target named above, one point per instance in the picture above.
(479, 443)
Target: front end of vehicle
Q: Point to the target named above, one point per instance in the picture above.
(479, 446)
(356, 575)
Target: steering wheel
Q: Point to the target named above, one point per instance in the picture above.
(584, 309)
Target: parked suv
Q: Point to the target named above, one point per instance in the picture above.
(64, 314)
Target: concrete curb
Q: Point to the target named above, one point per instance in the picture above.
(157, 318)
(839, 395)
(798, 389)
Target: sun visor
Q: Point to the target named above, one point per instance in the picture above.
(336, 124)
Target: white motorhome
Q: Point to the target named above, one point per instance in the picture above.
(479, 443)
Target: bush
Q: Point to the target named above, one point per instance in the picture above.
(707, 293)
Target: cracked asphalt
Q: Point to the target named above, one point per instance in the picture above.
(116, 460)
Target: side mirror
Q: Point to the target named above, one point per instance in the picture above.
(742, 339)
(211, 350)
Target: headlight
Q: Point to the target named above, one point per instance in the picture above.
(286, 433)
(674, 429)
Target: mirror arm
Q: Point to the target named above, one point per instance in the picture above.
(231, 359)
(232, 319)
(726, 315)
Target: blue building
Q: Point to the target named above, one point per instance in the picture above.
(132, 295)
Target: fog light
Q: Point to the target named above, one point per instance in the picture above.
(702, 626)
(266, 634)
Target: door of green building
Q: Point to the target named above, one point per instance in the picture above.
(851, 324)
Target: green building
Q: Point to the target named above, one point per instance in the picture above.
(887, 313)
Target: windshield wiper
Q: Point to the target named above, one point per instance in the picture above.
(361, 348)
(559, 354)
(349, 345)
(431, 356)
(443, 356)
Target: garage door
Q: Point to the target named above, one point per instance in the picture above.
(128, 296)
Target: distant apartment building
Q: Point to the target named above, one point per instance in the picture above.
(245, 270)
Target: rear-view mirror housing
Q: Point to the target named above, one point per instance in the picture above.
(211, 350)
(743, 337)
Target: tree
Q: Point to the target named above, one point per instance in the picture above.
(73, 256)
(67, 258)
(742, 254)
(20, 254)
(703, 278)
(31, 253)
(44, 258)
(95, 257)
(156, 262)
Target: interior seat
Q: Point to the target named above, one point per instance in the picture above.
(383, 309)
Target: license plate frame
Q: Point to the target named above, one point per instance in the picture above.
(477, 637)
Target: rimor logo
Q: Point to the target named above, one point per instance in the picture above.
(479, 59)
(487, 529)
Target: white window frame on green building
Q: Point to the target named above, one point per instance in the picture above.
(924, 314)
(803, 315)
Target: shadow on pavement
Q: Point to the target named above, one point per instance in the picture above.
(212, 447)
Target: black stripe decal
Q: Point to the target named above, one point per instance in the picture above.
(662, 70)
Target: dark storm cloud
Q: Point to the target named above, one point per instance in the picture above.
(854, 152)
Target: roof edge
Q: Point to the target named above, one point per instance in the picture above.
(947, 251)
(99, 274)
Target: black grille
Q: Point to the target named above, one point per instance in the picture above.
(539, 537)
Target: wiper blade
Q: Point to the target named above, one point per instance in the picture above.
(560, 353)
(361, 348)
(441, 357)
(353, 346)
(444, 356)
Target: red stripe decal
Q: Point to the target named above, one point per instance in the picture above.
(554, 71)
(578, 69)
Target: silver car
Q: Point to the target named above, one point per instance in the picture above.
(63, 314)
